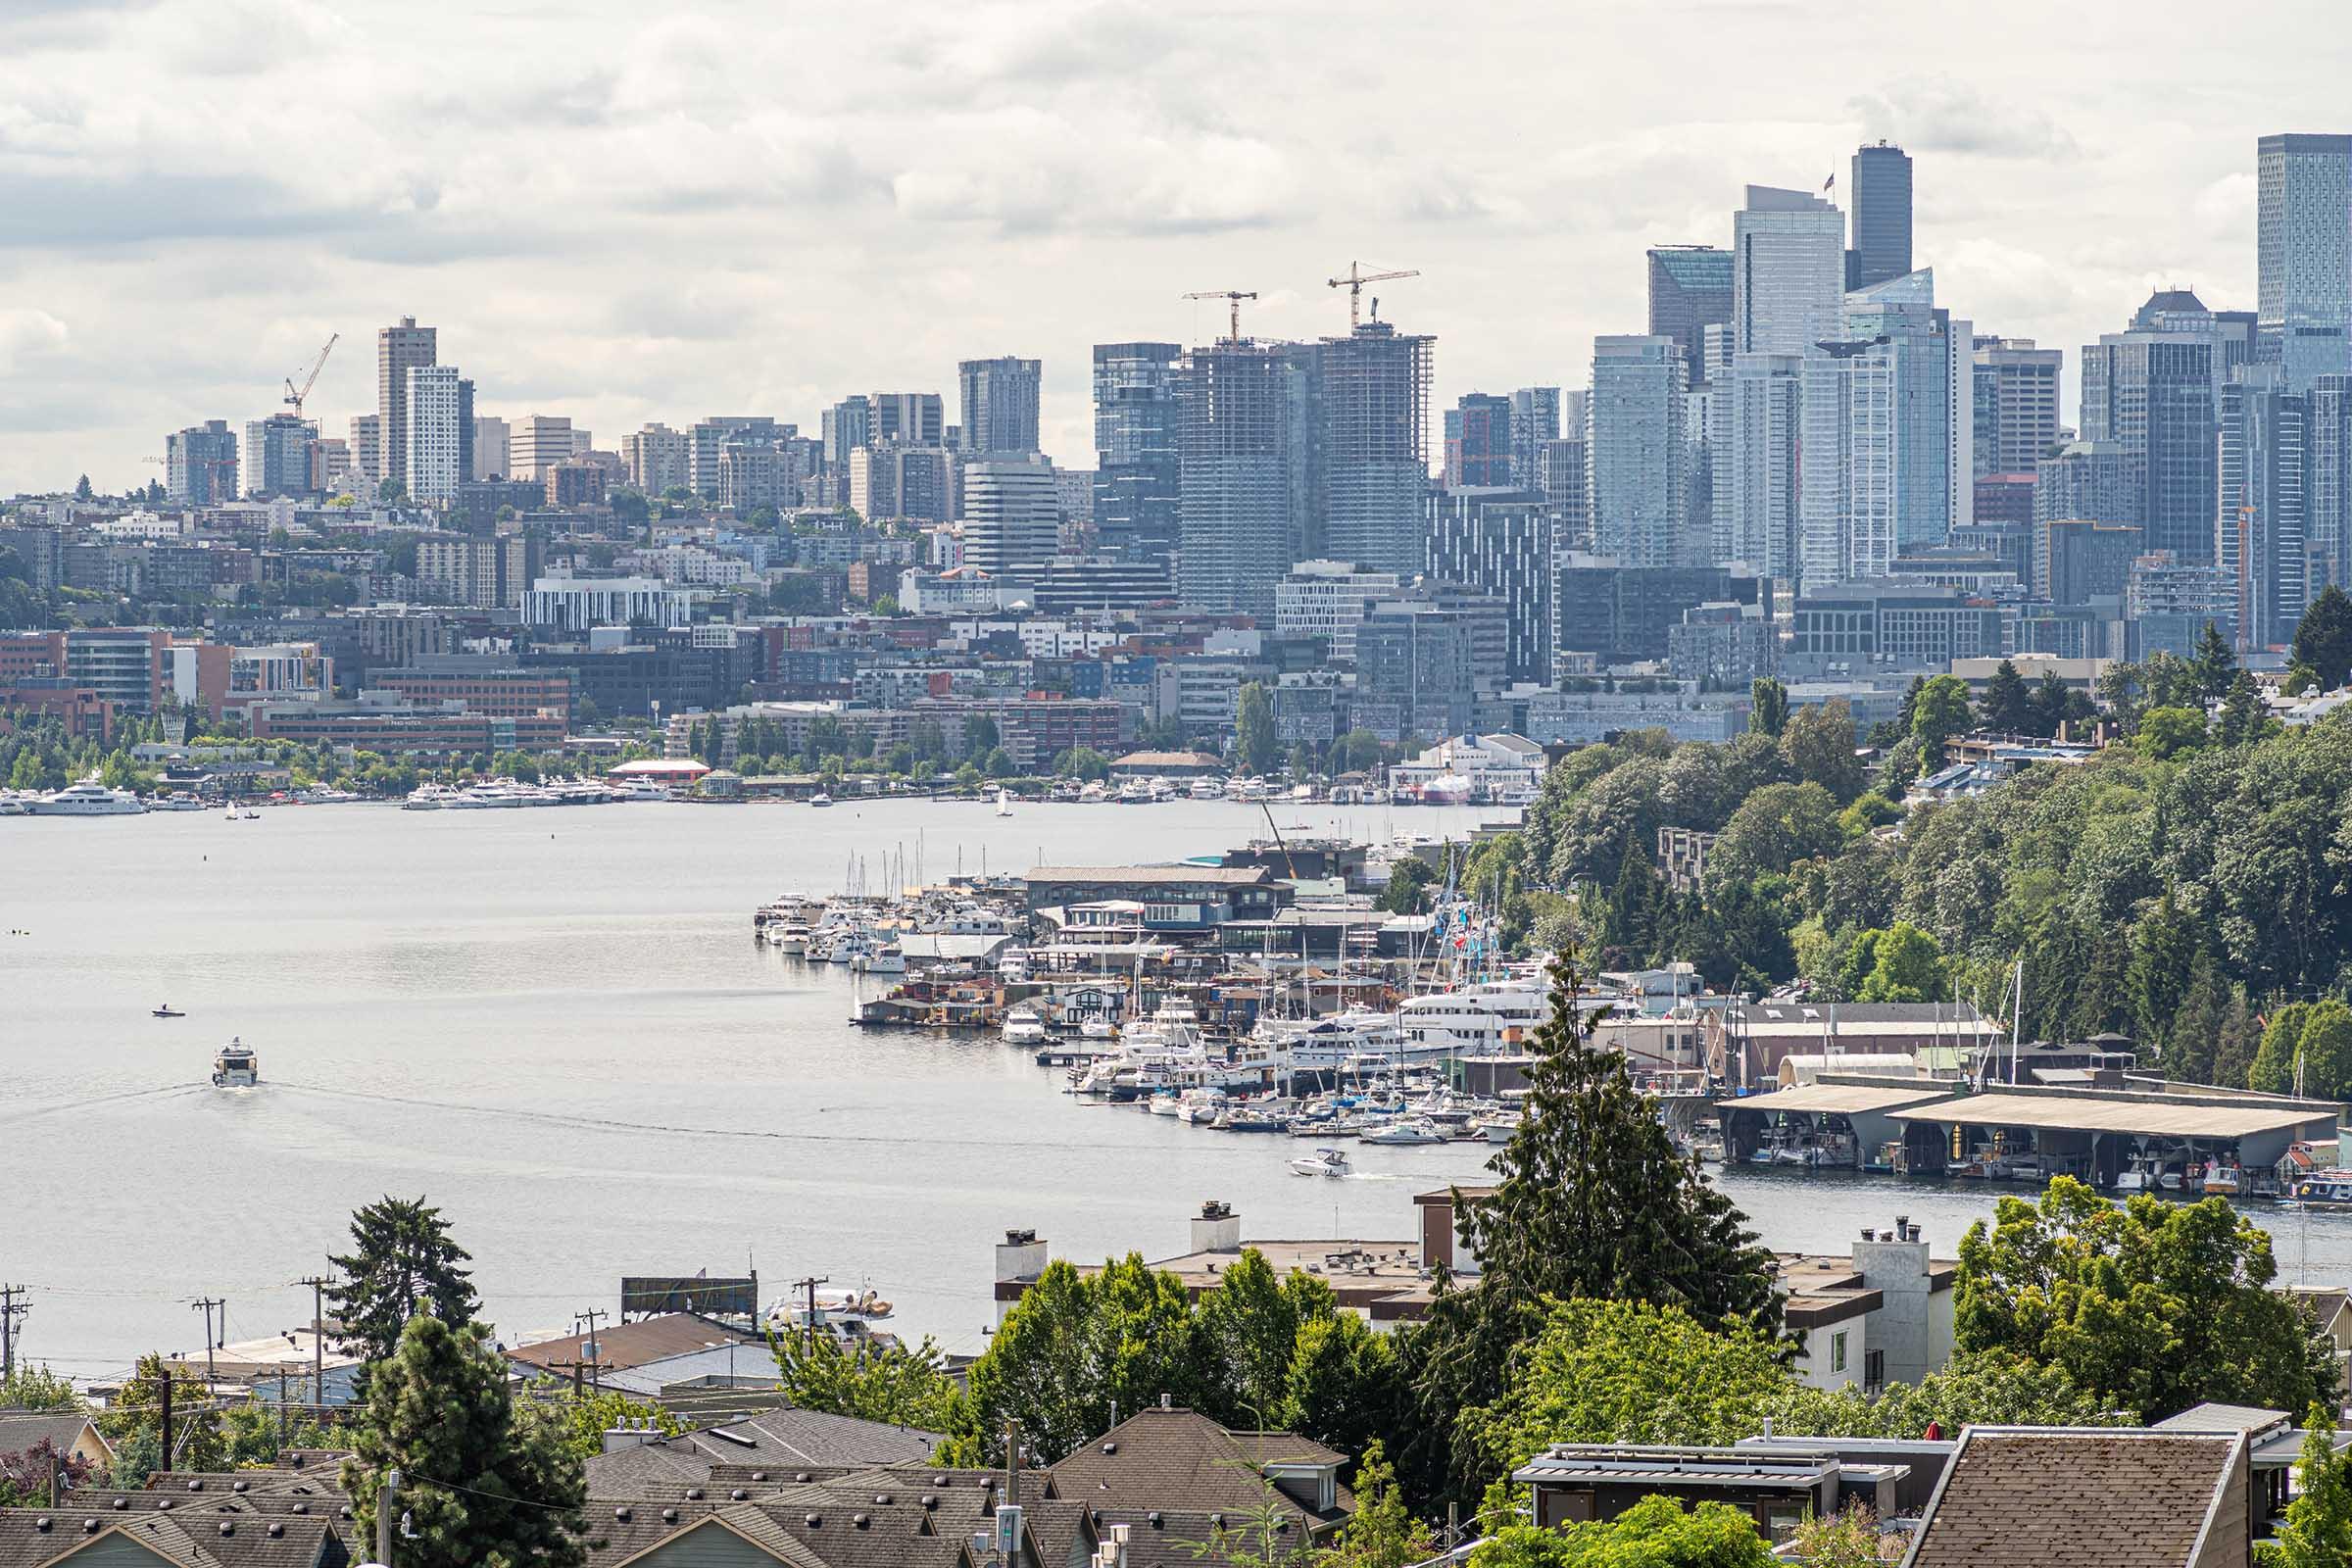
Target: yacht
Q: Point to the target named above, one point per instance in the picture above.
(1165, 1102)
(644, 789)
(1135, 792)
(89, 798)
(177, 801)
(1022, 1027)
(1322, 1162)
(1406, 1130)
(236, 1066)
(786, 936)
(820, 797)
(15, 803)
(1336, 1041)
(1207, 789)
(1496, 1126)
(429, 797)
(1485, 1018)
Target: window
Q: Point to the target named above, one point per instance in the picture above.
(1838, 1351)
(1873, 1370)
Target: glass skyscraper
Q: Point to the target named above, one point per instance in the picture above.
(1788, 272)
(999, 404)
(2303, 237)
(1689, 291)
(1135, 450)
(1881, 197)
(2154, 392)
(1372, 459)
(1634, 466)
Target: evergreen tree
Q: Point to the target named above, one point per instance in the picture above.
(2102, 1002)
(1255, 744)
(2008, 705)
(1592, 1199)
(2053, 704)
(2243, 716)
(2234, 1048)
(2213, 667)
(2273, 1069)
(402, 1264)
(2163, 968)
(1636, 904)
(2192, 1033)
(2323, 637)
(2316, 1532)
(485, 1482)
(1768, 712)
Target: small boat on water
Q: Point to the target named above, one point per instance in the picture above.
(2330, 1190)
(1003, 803)
(166, 1011)
(1406, 1130)
(820, 797)
(236, 1066)
(1322, 1162)
(1023, 1027)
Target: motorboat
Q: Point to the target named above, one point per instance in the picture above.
(1163, 1103)
(1322, 1162)
(2321, 1190)
(1496, 1126)
(2223, 1178)
(1097, 1027)
(1023, 1027)
(820, 797)
(1406, 1130)
(236, 1066)
(1135, 792)
(888, 958)
(429, 797)
(177, 801)
(166, 1011)
(89, 798)
(1207, 789)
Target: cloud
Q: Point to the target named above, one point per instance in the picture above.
(29, 336)
(1937, 114)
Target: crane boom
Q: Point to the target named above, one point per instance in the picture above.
(295, 396)
(1233, 297)
(1354, 284)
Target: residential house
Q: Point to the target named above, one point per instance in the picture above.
(2091, 1498)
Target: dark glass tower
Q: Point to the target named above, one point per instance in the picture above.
(1882, 204)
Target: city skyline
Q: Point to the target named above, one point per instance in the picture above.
(1045, 192)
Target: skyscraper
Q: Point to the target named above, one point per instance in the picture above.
(910, 418)
(2153, 392)
(1135, 450)
(2016, 405)
(537, 443)
(398, 351)
(999, 404)
(709, 437)
(1689, 291)
(1877, 434)
(200, 465)
(1500, 543)
(1881, 197)
(1535, 419)
(440, 421)
(2328, 480)
(1478, 440)
(490, 449)
(367, 450)
(2303, 237)
(277, 458)
(1011, 517)
(844, 428)
(1371, 402)
(1788, 272)
(1635, 462)
(1244, 419)
(2261, 539)
(1760, 485)
(659, 459)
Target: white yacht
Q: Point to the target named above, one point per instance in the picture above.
(1023, 1027)
(177, 801)
(1406, 1130)
(429, 797)
(14, 804)
(236, 1066)
(1322, 1162)
(1485, 1018)
(89, 798)
(1336, 1041)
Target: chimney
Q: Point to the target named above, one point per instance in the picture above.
(1218, 1229)
(1020, 1256)
(627, 1435)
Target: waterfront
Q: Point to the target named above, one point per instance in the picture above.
(556, 1025)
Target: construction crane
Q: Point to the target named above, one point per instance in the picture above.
(295, 395)
(1233, 297)
(1354, 284)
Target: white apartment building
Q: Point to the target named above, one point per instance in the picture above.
(1326, 598)
(577, 604)
(537, 444)
(436, 445)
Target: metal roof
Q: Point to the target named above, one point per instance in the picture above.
(1841, 1099)
(2084, 1112)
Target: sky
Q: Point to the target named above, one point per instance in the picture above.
(628, 213)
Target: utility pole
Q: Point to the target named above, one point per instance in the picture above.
(808, 1285)
(596, 1352)
(318, 1284)
(164, 1370)
(11, 1309)
(385, 1502)
(205, 1304)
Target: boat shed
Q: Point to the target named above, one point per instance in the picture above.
(1838, 1119)
(2096, 1134)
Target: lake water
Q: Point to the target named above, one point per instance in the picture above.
(556, 1025)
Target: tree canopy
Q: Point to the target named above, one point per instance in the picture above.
(402, 1262)
(1654, 1532)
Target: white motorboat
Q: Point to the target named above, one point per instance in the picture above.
(1322, 1162)
(1406, 1130)
(89, 798)
(820, 797)
(1163, 1103)
(1023, 1027)
(429, 797)
(1097, 1027)
(177, 801)
(236, 1066)
(1496, 1126)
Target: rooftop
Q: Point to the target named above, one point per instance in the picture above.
(627, 1345)
(2023, 1497)
(2146, 1116)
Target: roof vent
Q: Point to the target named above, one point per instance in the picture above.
(738, 1496)
(239, 1485)
(929, 1502)
(196, 1485)
(1110, 1447)
(1216, 1521)
(802, 1476)
(228, 1527)
(1153, 1518)
(621, 1513)
(41, 1524)
(302, 1507)
(759, 1475)
(121, 1503)
(164, 1504)
(344, 1511)
(881, 1500)
(670, 1516)
(694, 1493)
(860, 1520)
(89, 1527)
(814, 1521)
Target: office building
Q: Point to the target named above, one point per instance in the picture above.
(1135, 452)
(2303, 238)
(398, 351)
(484, 573)
(1499, 543)
(1244, 420)
(440, 419)
(367, 450)
(1327, 599)
(2088, 481)
(2261, 537)
(1788, 272)
(536, 443)
(1635, 467)
(2328, 480)
(1560, 478)
(706, 437)
(1689, 291)
(1011, 517)
(1881, 191)
(910, 418)
(2153, 392)
(844, 428)
(659, 459)
(1371, 397)
(999, 404)
(490, 460)
(1535, 419)
(2083, 560)
(1416, 668)
(200, 465)
(1624, 615)
(1851, 626)
(2168, 605)
(1759, 497)
(914, 483)
(2016, 414)
(278, 458)
(1478, 440)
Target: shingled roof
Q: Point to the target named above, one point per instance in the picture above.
(2089, 1498)
(1180, 1462)
(36, 1538)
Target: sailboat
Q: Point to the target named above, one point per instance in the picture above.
(1003, 803)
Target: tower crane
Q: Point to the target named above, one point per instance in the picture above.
(1354, 284)
(294, 394)
(1233, 297)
